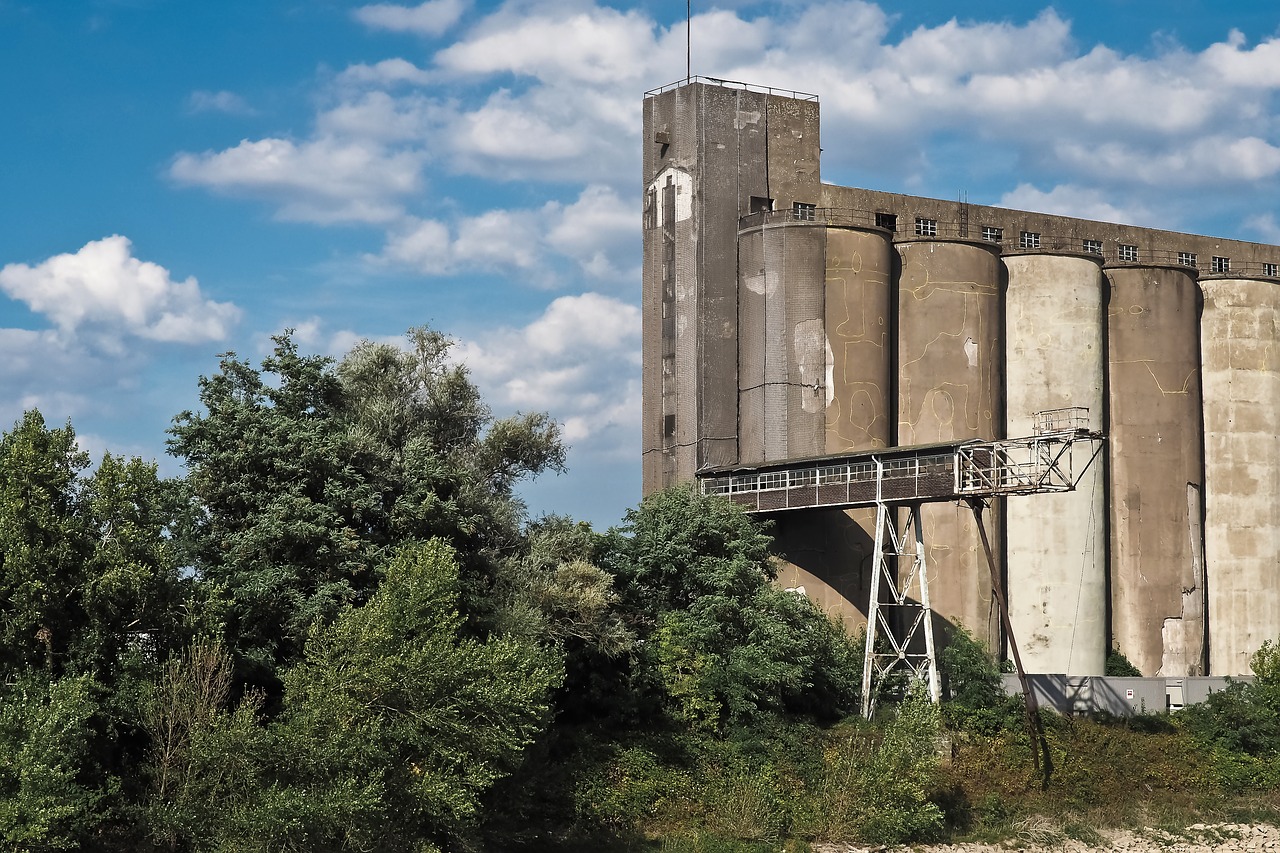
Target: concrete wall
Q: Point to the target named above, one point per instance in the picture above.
(1154, 440)
(1055, 357)
(721, 148)
(1241, 378)
(951, 386)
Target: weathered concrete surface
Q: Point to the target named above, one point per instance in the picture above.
(859, 314)
(1157, 575)
(1057, 544)
(1240, 373)
(951, 386)
(708, 151)
(829, 554)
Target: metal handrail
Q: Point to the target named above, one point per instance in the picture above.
(732, 84)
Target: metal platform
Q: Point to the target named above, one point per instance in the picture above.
(897, 481)
(1051, 460)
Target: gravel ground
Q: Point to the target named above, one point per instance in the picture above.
(1199, 838)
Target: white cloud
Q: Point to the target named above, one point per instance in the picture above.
(579, 360)
(388, 72)
(218, 102)
(325, 180)
(1080, 202)
(1264, 226)
(430, 18)
(597, 231)
(601, 232)
(103, 288)
(593, 46)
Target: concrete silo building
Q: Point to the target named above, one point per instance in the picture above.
(785, 318)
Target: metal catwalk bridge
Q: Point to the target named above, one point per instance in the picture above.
(1052, 459)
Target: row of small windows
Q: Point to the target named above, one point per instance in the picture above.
(1125, 252)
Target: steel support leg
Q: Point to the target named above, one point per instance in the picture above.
(898, 566)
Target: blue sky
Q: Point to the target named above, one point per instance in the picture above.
(183, 179)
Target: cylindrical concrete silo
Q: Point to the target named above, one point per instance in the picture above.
(1240, 372)
(781, 348)
(1154, 443)
(1055, 357)
(950, 387)
(829, 553)
(859, 310)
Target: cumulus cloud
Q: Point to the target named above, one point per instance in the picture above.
(579, 360)
(388, 72)
(102, 288)
(324, 180)
(601, 232)
(545, 95)
(430, 18)
(495, 240)
(597, 233)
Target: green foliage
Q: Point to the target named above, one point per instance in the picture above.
(1119, 666)
(395, 723)
(42, 545)
(304, 476)
(974, 689)
(47, 797)
(281, 508)
(204, 764)
(722, 644)
(880, 793)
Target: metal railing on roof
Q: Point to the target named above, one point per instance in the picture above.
(1111, 252)
(732, 84)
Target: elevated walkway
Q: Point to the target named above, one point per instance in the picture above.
(1051, 460)
(897, 481)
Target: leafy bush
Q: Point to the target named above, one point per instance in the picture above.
(1119, 666)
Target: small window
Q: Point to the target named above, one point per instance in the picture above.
(1187, 259)
(1270, 270)
(773, 480)
(926, 227)
(1128, 253)
(1221, 264)
(1029, 240)
(1093, 247)
(887, 220)
(760, 204)
(802, 212)
(992, 233)
(669, 426)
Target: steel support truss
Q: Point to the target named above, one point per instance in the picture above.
(899, 570)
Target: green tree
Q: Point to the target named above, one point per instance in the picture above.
(50, 790)
(43, 548)
(396, 722)
(282, 509)
(722, 643)
(305, 475)
(440, 462)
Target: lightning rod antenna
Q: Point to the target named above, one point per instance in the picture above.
(688, 40)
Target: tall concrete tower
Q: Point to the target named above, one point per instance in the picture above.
(713, 154)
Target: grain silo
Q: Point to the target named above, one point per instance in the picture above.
(1154, 439)
(951, 386)
(1055, 358)
(787, 318)
(1241, 379)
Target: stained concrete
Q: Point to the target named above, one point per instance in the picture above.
(1057, 543)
